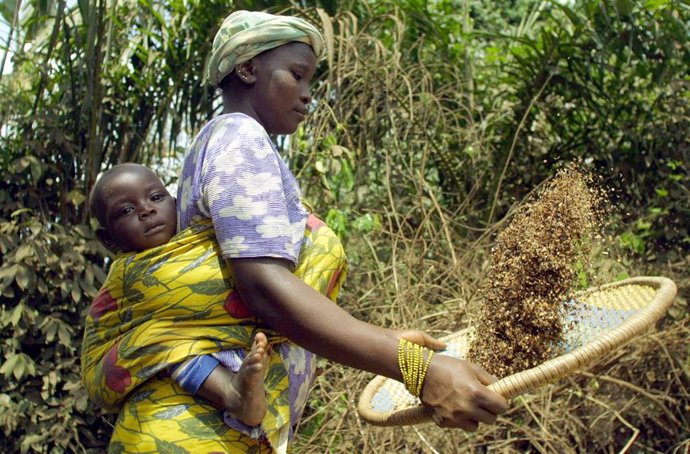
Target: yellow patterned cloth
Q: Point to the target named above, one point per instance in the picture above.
(174, 302)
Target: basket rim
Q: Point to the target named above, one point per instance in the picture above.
(551, 370)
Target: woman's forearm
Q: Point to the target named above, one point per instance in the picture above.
(454, 390)
(290, 306)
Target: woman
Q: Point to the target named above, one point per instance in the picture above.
(234, 178)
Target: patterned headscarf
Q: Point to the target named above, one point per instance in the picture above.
(245, 34)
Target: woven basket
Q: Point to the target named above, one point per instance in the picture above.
(605, 318)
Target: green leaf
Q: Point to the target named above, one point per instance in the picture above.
(320, 166)
(17, 314)
(274, 375)
(18, 365)
(76, 197)
(32, 441)
(136, 352)
(151, 281)
(64, 333)
(75, 292)
(49, 328)
(134, 295)
(193, 316)
(622, 275)
(23, 251)
(210, 287)
(24, 277)
(7, 274)
(20, 211)
(7, 9)
(205, 427)
(633, 242)
(656, 4)
(9, 365)
(164, 447)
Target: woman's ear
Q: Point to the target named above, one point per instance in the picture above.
(105, 238)
(245, 72)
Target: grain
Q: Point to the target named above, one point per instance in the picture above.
(533, 272)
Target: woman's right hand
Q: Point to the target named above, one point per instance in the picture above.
(455, 393)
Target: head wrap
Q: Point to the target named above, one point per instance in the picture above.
(245, 34)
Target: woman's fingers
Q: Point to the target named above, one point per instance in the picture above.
(485, 416)
(454, 391)
(494, 402)
(432, 342)
(423, 339)
(489, 399)
(483, 376)
(468, 425)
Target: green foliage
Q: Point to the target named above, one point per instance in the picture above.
(604, 83)
(93, 84)
(48, 273)
(429, 111)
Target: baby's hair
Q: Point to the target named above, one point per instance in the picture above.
(96, 201)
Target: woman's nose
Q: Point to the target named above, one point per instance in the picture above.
(305, 95)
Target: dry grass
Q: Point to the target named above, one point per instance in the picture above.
(425, 269)
(636, 399)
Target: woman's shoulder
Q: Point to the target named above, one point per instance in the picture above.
(236, 122)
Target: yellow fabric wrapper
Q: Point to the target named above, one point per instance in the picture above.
(171, 303)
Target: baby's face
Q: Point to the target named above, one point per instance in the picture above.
(140, 212)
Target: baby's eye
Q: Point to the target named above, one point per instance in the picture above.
(126, 210)
(157, 197)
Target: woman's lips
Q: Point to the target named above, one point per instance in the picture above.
(302, 114)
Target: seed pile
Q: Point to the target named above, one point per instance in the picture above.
(533, 272)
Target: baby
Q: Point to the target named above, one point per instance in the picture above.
(135, 213)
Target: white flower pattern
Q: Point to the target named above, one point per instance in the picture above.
(273, 227)
(234, 245)
(244, 208)
(259, 183)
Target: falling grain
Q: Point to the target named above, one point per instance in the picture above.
(533, 272)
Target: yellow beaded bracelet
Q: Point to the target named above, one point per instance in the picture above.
(413, 364)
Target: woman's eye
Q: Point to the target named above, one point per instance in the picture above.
(296, 75)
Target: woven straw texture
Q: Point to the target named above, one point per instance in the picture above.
(605, 318)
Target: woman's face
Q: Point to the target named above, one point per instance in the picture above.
(281, 90)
